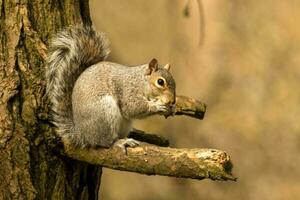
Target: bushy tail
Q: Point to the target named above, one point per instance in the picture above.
(70, 53)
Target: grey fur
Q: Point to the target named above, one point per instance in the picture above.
(94, 102)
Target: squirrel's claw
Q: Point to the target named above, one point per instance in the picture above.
(161, 108)
(126, 142)
(171, 111)
(158, 107)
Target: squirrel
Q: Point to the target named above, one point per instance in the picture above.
(95, 101)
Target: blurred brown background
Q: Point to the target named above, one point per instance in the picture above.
(248, 73)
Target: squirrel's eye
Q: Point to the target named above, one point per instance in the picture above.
(160, 82)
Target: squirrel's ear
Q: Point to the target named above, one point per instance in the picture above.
(167, 67)
(152, 67)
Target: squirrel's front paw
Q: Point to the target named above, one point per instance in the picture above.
(126, 142)
(158, 107)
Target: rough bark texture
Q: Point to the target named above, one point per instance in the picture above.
(29, 168)
(153, 160)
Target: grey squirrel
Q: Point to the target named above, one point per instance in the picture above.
(95, 101)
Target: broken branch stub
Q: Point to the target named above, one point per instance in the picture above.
(190, 107)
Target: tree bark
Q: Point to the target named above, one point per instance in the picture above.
(29, 168)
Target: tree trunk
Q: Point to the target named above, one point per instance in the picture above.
(29, 166)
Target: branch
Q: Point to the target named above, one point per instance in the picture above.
(190, 107)
(153, 160)
(149, 138)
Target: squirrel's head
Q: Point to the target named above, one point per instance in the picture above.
(162, 84)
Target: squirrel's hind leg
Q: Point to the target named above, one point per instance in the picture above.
(98, 121)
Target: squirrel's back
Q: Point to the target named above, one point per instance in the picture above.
(70, 53)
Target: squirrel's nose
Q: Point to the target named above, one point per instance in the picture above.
(172, 106)
(172, 100)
